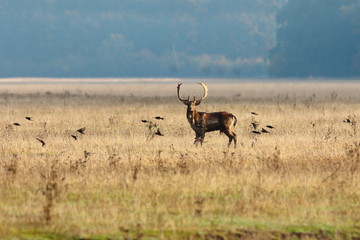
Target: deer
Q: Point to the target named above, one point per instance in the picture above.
(202, 122)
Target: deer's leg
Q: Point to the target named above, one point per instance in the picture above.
(197, 138)
(235, 139)
(232, 136)
(202, 136)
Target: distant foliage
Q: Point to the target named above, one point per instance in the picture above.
(319, 38)
(139, 38)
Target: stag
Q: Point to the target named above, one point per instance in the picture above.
(202, 122)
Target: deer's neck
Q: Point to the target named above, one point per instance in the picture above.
(194, 117)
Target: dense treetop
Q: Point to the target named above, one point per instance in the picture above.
(319, 38)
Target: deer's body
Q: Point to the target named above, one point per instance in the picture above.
(202, 122)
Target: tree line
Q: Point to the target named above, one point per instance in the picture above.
(136, 38)
(317, 38)
(180, 38)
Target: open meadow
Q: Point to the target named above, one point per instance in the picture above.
(119, 180)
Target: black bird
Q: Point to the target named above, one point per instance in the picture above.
(42, 142)
(159, 118)
(254, 125)
(254, 113)
(28, 118)
(144, 121)
(347, 120)
(81, 130)
(17, 124)
(158, 132)
(74, 137)
(263, 130)
(256, 132)
(269, 126)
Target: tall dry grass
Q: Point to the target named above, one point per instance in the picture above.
(118, 180)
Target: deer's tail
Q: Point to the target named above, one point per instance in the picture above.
(235, 120)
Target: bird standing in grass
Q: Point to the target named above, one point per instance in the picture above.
(158, 132)
(159, 118)
(41, 141)
(263, 130)
(347, 120)
(255, 124)
(81, 130)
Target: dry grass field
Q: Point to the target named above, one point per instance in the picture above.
(120, 181)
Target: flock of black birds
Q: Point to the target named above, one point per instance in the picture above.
(256, 130)
(155, 130)
(255, 126)
(75, 137)
(151, 126)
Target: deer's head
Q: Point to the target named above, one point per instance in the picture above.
(191, 104)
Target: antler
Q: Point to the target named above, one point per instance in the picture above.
(205, 93)
(178, 93)
(186, 101)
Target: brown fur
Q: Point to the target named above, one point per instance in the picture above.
(202, 122)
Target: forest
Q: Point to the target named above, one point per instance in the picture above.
(317, 38)
(137, 38)
(180, 38)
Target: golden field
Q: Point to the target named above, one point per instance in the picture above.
(120, 181)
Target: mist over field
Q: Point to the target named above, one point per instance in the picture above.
(179, 38)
